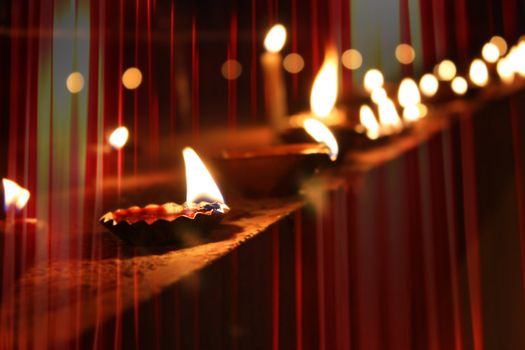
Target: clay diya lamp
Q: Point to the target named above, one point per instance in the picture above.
(273, 170)
(170, 223)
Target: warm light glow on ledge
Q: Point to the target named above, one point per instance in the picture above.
(490, 52)
(369, 122)
(446, 70)
(324, 89)
(275, 39)
(373, 80)
(428, 85)
(478, 73)
(322, 134)
(408, 93)
(14, 195)
(459, 86)
(200, 185)
(119, 137)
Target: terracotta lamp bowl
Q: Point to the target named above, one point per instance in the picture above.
(271, 171)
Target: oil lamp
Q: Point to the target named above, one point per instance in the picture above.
(274, 87)
(279, 169)
(170, 222)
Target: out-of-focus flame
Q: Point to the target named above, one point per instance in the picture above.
(428, 84)
(490, 52)
(322, 134)
(369, 122)
(388, 117)
(378, 95)
(14, 195)
(408, 93)
(119, 137)
(446, 70)
(479, 73)
(200, 185)
(324, 89)
(373, 80)
(500, 43)
(519, 59)
(459, 85)
(505, 71)
(275, 38)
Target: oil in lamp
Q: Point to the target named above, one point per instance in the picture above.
(170, 222)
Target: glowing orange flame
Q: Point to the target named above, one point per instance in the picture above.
(388, 117)
(275, 39)
(322, 134)
(446, 70)
(408, 93)
(373, 80)
(429, 84)
(324, 89)
(14, 195)
(479, 73)
(505, 71)
(119, 137)
(459, 86)
(369, 122)
(200, 185)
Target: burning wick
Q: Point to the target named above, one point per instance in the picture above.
(15, 196)
(119, 137)
(322, 134)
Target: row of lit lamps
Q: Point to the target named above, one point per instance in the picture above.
(409, 92)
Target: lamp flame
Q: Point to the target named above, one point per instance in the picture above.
(479, 73)
(119, 137)
(373, 80)
(324, 89)
(388, 117)
(200, 185)
(505, 71)
(14, 195)
(429, 84)
(408, 93)
(446, 70)
(369, 122)
(275, 39)
(322, 134)
(459, 86)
